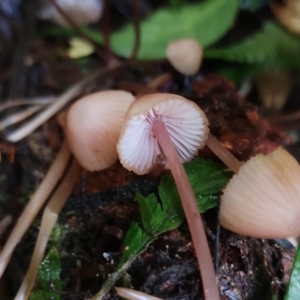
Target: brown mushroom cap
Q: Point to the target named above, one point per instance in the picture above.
(184, 120)
(93, 128)
(263, 199)
(185, 55)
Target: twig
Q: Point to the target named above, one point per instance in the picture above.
(73, 24)
(19, 116)
(137, 31)
(53, 108)
(34, 101)
(34, 205)
(49, 219)
(4, 223)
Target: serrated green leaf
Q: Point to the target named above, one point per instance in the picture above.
(135, 243)
(151, 211)
(206, 202)
(206, 177)
(206, 22)
(172, 210)
(49, 274)
(293, 290)
(273, 46)
(158, 218)
(176, 4)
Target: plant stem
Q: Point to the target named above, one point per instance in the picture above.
(223, 154)
(34, 205)
(195, 223)
(49, 219)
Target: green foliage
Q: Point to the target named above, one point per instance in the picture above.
(293, 290)
(273, 46)
(206, 22)
(136, 242)
(176, 4)
(207, 179)
(48, 275)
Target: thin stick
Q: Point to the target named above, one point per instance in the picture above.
(159, 80)
(191, 210)
(53, 108)
(223, 154)
(137, 31)
(4, 223)
(19, 116)
(34, 205)
(34, 101)
(73, 24)
(136, 88)
(49, 219)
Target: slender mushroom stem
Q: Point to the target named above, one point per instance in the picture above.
(49, 219)
(191, 210)
(223, 154)
(36, 202)
(133, 294)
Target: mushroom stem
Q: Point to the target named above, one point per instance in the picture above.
(191, 211)
(136, 88)
(223, 154)
(49, 219)
(36, 202)
(133, 294)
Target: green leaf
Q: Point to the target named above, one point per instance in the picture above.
(158, 218)
(206, 22)
(293, 290)
(135, 243)
(49, 275)
(176, 4)
(206, 202)
(206, 177)
(273, 46)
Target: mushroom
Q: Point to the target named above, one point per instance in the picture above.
(109, 107)
(288, 14)
(93, 119)
(185, 55)
(82, 12)
(263, 199)
(170, 125)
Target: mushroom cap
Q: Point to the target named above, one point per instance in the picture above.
(263, 199)
(185, 55)
(288, 14)
(81, 12)
(186, 123)
(93, 128)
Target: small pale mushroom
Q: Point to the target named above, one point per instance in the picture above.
(263, 199)
(105, 112)
(82, 12)
(170, 125)
(288, 14)
(185, 55)
(91, 121)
